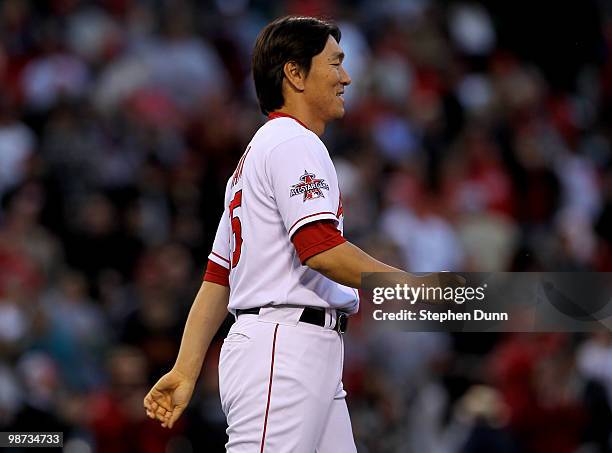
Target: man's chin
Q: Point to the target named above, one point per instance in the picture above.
(335, 114)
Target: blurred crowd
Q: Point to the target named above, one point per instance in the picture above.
(477, 138)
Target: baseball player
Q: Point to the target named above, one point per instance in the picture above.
(280, 264)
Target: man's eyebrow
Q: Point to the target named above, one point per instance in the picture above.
(339, 55)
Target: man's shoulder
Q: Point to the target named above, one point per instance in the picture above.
(279, 131)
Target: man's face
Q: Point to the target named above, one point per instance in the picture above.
(324, 85)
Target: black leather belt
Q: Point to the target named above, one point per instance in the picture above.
(310, 315)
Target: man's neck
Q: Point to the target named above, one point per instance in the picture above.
(303, 115)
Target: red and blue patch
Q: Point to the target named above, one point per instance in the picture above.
(309, 186)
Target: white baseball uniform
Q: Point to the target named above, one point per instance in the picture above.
(280, 379)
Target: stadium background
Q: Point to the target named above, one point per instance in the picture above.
(477, 138)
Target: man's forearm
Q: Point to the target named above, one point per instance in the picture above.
(208, 311)
(345, 263)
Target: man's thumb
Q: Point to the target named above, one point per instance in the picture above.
(176, 413)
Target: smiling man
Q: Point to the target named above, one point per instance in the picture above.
(280, 264)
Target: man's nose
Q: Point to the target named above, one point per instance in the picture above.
(346, 78)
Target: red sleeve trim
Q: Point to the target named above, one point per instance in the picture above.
(220, 257)
(316, 237)
(215, 273)
(306, 217)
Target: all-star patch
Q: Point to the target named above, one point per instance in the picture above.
(310, 186)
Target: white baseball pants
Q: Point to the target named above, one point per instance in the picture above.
(280, 383)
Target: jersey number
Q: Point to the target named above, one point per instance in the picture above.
(236, 228)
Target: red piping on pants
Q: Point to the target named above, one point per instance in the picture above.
(263, 436)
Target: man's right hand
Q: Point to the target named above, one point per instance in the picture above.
(441, 280)
(449, 279)
(168, 398)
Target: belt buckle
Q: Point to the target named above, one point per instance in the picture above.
(341, 322)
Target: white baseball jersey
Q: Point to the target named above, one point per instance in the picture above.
(284, 180)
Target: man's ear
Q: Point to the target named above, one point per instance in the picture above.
(295, 75)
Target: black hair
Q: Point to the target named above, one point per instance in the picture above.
(290, 38)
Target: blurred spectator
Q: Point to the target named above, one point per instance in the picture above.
(483, 418)
(116, 416)
(55, 74)
(69, 309)
(41, 393)
(22, 233)
(98, 242)
(472, 29)
(595, 362)
(426, 238)
(539, 383)
(10, 395)
(17, 144)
